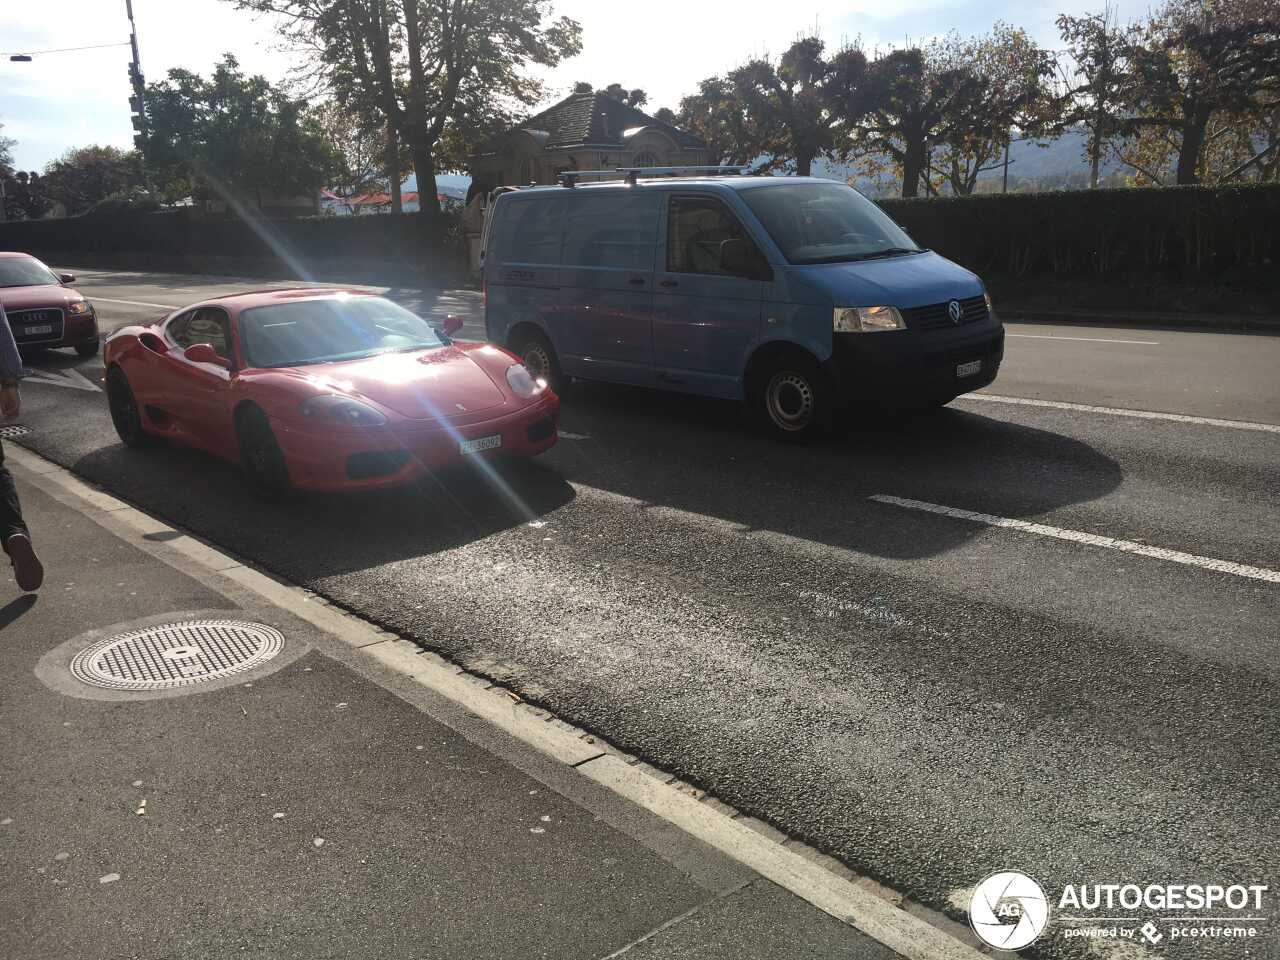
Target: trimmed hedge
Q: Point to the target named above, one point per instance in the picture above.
(383, 245)
(1174, 234)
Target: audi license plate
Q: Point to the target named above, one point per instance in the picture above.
(969, 369)
(480, 443)
(38, 329)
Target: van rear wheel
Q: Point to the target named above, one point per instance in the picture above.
(796, 398)
(537, 353)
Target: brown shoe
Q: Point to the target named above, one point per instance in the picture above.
(27, 568)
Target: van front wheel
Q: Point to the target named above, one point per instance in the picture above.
(796, 398)
(537, 353)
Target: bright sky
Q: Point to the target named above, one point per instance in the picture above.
(65, 100)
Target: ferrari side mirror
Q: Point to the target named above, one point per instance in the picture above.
(204, 353)
(452, 324)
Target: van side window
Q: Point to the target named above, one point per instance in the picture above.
(615, 229)
(530, 231)
(696, 226)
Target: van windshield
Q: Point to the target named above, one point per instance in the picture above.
(826, 223)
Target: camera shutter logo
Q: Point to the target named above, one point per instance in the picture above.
(1008, 910)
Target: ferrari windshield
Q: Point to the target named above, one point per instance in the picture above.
(826, 223)
(22, 272)
(329, 330)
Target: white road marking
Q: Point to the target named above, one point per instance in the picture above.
(1121, 412)
(1038, 336)
(566, 435)
(133, 303)
(67, 378)
(1093, 540)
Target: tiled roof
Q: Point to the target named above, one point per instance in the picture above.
(593, 118)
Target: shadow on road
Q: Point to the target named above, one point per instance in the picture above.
(704, 457)
(312, 536)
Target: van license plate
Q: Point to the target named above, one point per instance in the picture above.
(480, 443)
(37, 330)
(969, 369)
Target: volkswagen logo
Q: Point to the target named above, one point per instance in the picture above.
(955, 311)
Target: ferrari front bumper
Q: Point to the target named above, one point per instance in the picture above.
(396, 454)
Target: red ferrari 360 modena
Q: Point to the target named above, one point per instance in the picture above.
(323, 390)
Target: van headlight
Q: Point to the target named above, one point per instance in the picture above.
(866, 319)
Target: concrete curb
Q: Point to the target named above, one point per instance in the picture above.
(877, 911)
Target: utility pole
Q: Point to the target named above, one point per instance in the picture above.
(137, 102)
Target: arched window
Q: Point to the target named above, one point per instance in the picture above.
(645, 158)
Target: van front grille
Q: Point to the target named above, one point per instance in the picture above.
(936, 317)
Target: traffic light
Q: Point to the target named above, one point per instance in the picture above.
(136, 78)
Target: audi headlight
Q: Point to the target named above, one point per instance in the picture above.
(523, 383)
(339, 409)
(80, 308)
(866, 319)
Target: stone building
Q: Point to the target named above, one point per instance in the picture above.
(584, 131)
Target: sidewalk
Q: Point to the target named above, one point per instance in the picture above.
(322, 803)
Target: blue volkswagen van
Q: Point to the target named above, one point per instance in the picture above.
(796, 295)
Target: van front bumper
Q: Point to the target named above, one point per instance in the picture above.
(910, 365)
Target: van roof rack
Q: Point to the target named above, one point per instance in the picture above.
(569, 178)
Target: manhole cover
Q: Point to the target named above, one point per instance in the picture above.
(176, 654)
(14, 430)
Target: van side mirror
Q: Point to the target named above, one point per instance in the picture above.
(452, 324)
(740, 258)
(204, 353)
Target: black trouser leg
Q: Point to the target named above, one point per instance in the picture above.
(10, 508)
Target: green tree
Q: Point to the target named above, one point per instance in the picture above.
(85, 176)
(1096, 47)
(908, 105)
(6, 153)
(24, 196)
(634, 97)
(793, 108)
(1014, 92)
(715, 115)
(438, 70)
(1191, 63)
(359, 144)
(234, 137)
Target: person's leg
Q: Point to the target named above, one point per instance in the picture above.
(14, 535)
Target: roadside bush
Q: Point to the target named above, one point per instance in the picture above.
(1175, 234)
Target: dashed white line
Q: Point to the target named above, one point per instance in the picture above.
(133, 303)
(1121, 412)
(1040, 336)
(566, 435)
(1090, 539)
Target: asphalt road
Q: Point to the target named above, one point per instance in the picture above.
(931, 697)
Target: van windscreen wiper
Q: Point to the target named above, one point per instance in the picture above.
(854, 257)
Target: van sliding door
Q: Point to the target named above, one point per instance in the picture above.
(607, 284)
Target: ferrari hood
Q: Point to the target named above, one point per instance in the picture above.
(419, 386)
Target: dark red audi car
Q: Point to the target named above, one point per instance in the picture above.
(323, 389)
(43, 308)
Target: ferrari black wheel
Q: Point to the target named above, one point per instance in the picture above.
(261, 458)
(124, 410)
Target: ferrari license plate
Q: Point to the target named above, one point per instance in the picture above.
(38, 329)
(480, 443)
(969, 369)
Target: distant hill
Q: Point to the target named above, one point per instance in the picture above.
(450, 184)
(1057, 164)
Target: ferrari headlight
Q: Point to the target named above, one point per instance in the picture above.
(80, 308)
(866, 319)
(523, 383)
(346, 410)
